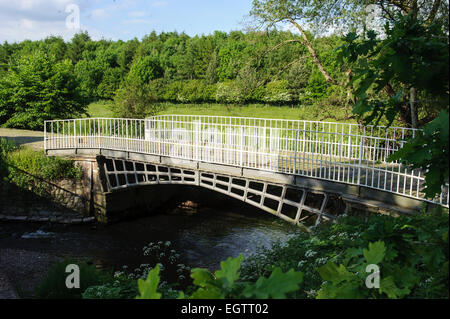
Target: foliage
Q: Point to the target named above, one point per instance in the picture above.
(429, 150)
(29, 169)
(37, 87)
(53, 286)
(148, 288)
(121, 286)
(233, 67)
(413, 55)
(134, 100)
(411, 252)
(144, 69)
(170, 273)
(225, 283)
(6, 147)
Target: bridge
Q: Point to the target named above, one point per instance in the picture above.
(293, 169)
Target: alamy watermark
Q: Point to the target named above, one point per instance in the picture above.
(73, 279)
(73, 19)
(373, 280)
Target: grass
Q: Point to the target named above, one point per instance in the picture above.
(257, 110)
(100, 109)
(310, 112)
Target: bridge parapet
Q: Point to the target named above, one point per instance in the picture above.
(348, 154)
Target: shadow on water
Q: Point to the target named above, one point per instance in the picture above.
(202, 238)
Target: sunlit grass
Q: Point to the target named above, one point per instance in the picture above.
(104, 109)
(255, 110)
(100, 109)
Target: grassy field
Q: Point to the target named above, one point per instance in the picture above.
(100, 109)
(104, 109)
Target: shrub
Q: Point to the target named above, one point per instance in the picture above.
(122, 287)
(277, 91)
(37, 88)
(228, 92)
(54, 284)
(412, 256)
(25, 164)
(226, 283)
(6, 147)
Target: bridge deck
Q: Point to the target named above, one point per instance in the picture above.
(335, 156)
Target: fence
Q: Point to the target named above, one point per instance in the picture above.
(342, 152)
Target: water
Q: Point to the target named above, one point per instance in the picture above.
(203, 239)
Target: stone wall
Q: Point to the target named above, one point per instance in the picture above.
(66, 201)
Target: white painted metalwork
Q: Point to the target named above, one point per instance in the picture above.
(340, 152)
(291, 203)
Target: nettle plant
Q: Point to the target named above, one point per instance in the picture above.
(226, 283)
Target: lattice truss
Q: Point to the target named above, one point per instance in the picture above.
(291, 203)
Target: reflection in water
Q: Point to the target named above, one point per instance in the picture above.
(203, 239)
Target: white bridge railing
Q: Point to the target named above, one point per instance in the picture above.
(341, 152)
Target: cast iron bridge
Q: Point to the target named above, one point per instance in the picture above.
(289, 168)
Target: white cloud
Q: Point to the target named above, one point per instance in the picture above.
(37, 19)
(138, 14)
(140, 21)
(159, 4)
(99, 13)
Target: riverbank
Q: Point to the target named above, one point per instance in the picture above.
(21, 271)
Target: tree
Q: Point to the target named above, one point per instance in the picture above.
(134, 100)
(272, 12)
(77, 46)
(37, 88)
(413, 54)
(144, 69)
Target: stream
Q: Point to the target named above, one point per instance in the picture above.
(202, 239)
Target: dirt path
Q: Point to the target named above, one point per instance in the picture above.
(33, 139)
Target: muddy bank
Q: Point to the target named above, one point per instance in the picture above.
(23, 271)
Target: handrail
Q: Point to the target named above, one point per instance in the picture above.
(341, 152)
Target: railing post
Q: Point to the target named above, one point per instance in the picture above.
(242, 146)
(126, 128)
(360, 160)
(45, 136)
(295, 152)
(74, 134)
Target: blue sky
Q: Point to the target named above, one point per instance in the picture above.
(118, 19)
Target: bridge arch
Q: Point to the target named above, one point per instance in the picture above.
(289, 202)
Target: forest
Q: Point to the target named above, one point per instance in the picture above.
(229, 68)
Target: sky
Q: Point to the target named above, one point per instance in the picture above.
(117, 19)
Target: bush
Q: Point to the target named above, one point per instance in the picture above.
(37, 88)
(277, 91)
(228, 92)
(412, 253)
(134, 101)
(54, 284)
(25, 163)
(122, 287)
(6, 147)
(226, 283)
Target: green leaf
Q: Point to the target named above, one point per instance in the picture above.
(148, 288)
(375, 253)
(388, 286)
(347, 290)
(276, 286)
(334, 273)
(208, 293)
(202, 277)
(229, 271)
